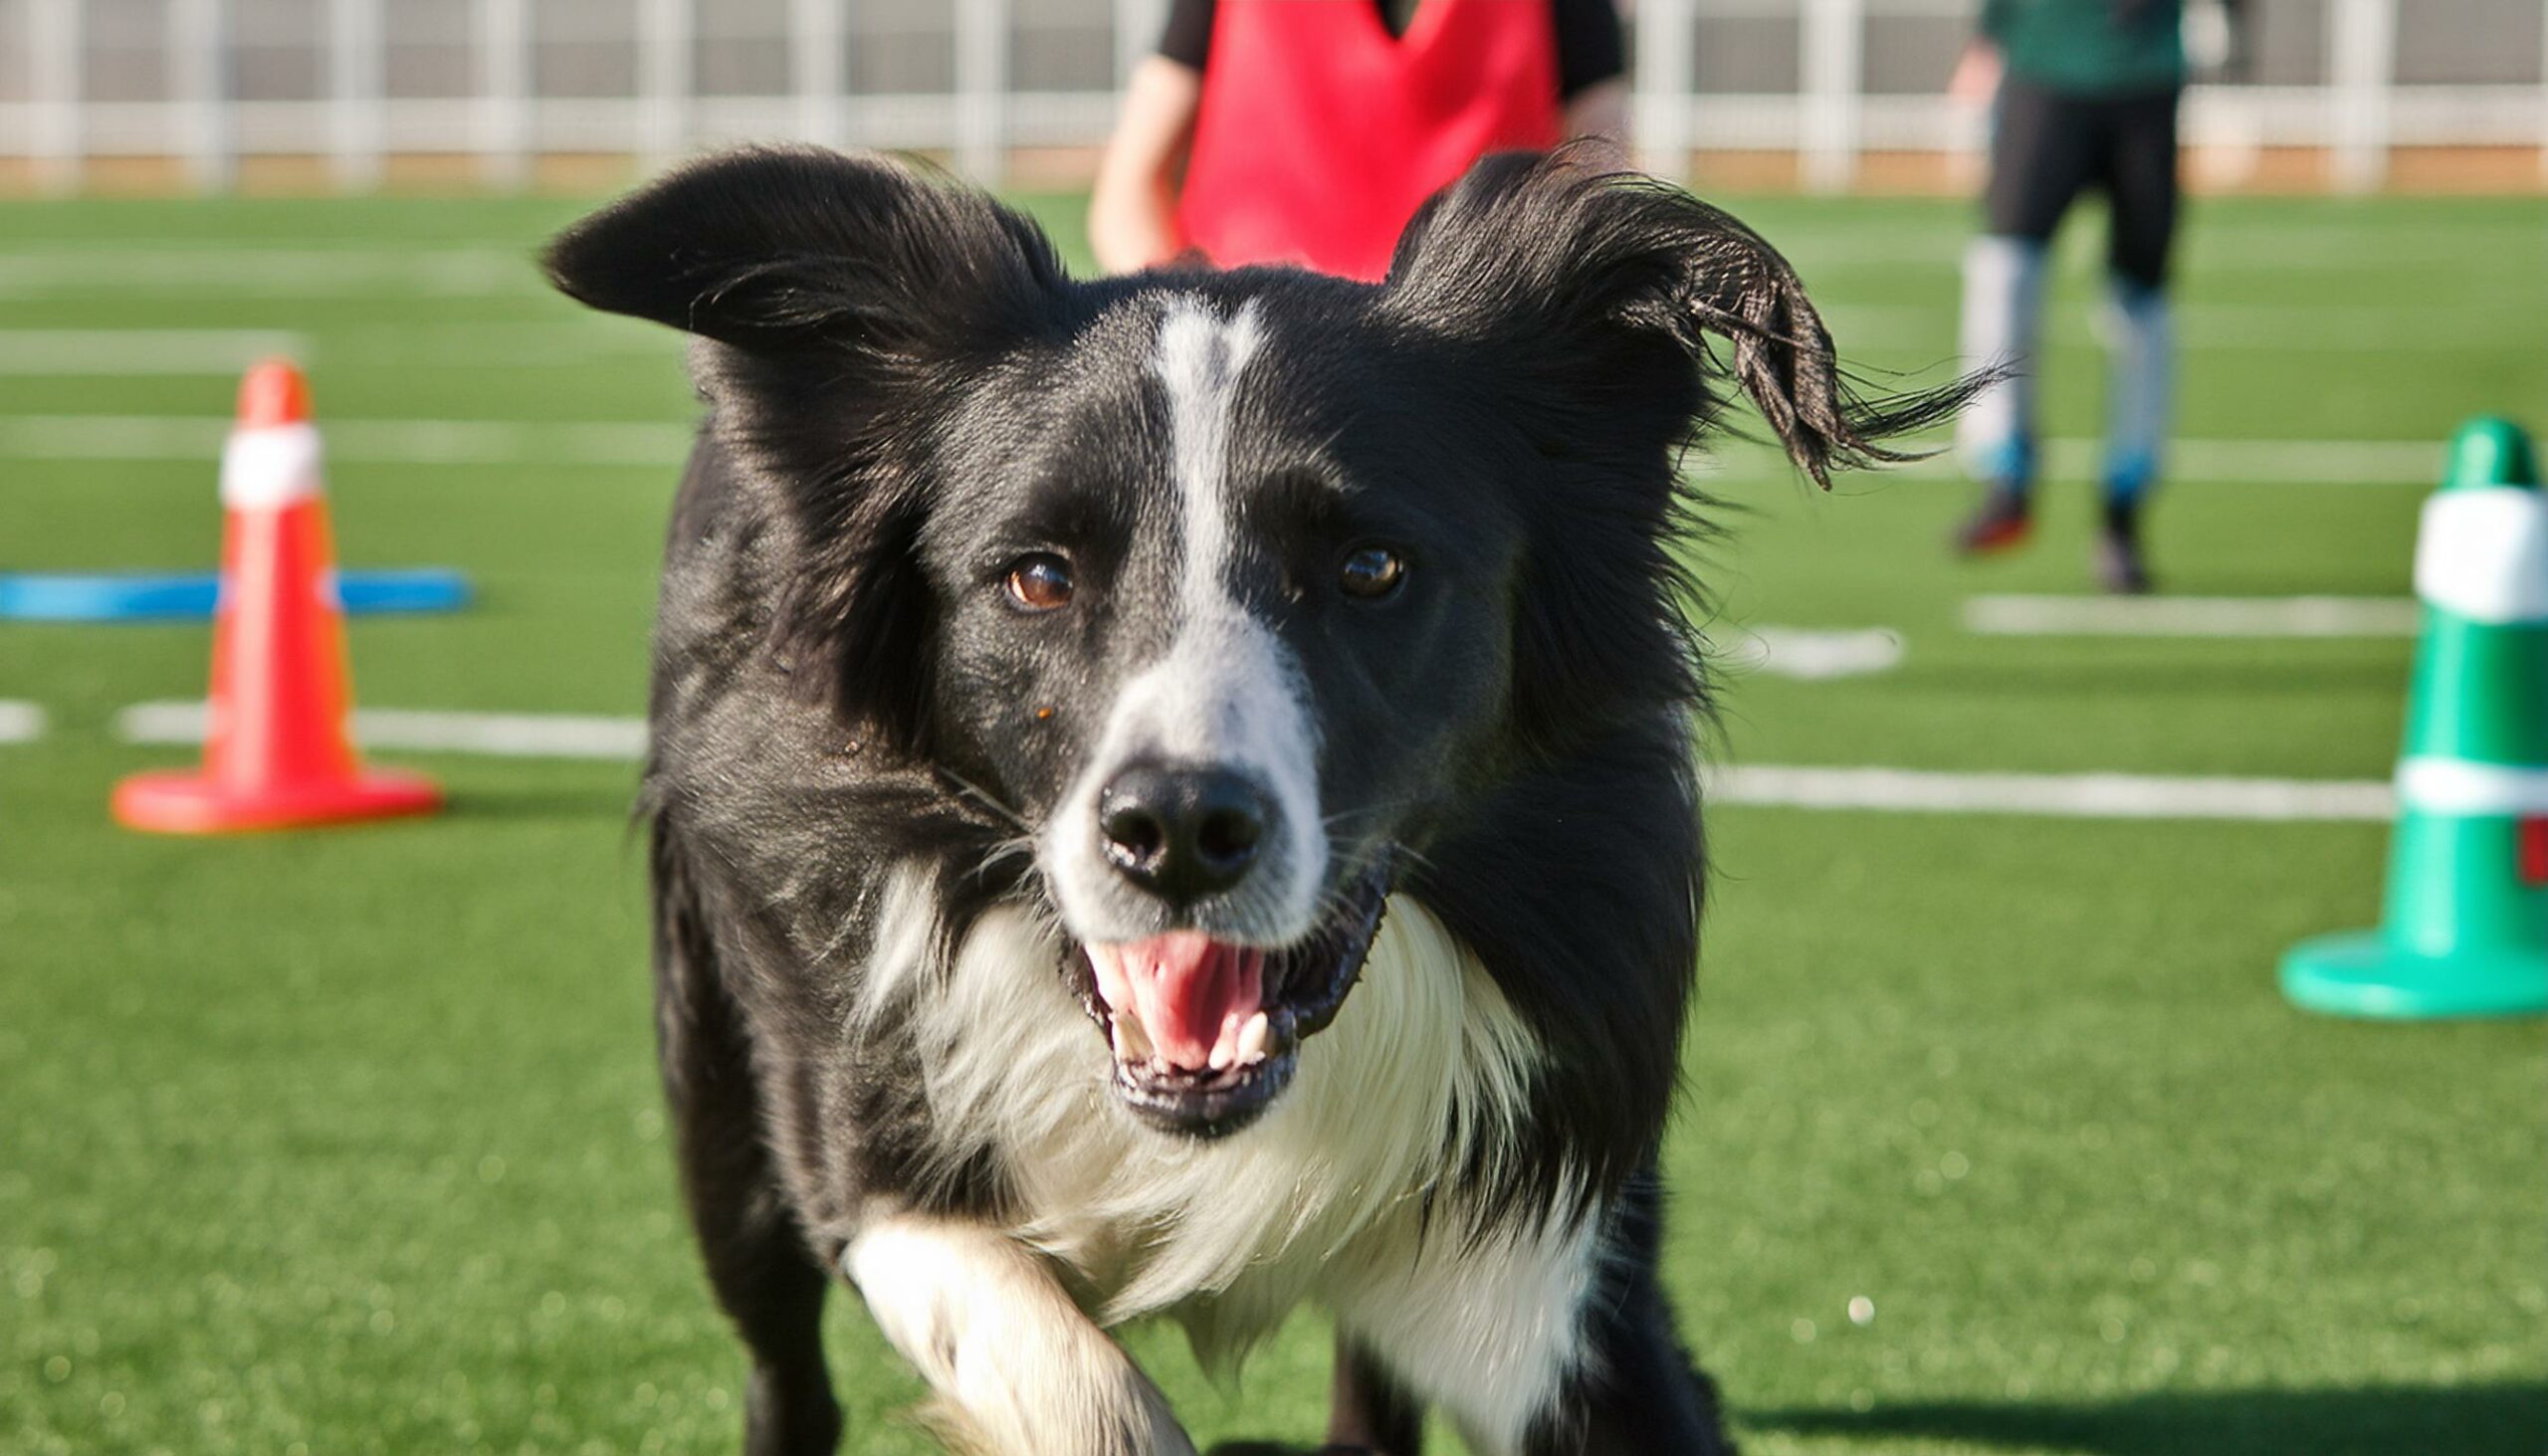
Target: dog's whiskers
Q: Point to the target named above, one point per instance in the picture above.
(987, 799)
(1016, 846)
(1343, 818)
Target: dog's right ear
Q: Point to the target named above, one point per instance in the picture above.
(776, 250)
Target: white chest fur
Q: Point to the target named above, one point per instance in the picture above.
(1318, 1201)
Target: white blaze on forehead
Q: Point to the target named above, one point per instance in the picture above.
(1226, 692)
(1198, 359)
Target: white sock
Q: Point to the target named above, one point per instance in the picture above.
(2003, 304)
(2140, 389)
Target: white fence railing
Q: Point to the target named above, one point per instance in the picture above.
(2358, 110)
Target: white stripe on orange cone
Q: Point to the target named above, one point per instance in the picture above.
(271, 458)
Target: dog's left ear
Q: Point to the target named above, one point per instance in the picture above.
(1604, 288)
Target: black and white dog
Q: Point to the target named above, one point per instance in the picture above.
(1173, 794)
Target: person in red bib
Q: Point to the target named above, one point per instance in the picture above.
(1309, 131)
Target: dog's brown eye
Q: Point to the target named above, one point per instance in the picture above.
(1040, 582)
(1373, 572)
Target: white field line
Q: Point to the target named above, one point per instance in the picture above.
(2229, 328)
(63, 353)
(2053, 795)
(499, 735)
(270, 272)
(46, 351)
(2357, 249)
(2279, 462)
(1891, 791)
(463, 271)
(456, 268)
(2193, 616)
(1812, 654)
(2220, 462)
(1858, 327)
(516, 344)
(123, 266)
(655, 442)
(383, 442)
(20, 723)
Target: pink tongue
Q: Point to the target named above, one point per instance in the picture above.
(1192, 993)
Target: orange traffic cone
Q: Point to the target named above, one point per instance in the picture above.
(276, 752)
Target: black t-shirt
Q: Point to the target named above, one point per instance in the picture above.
(1589, 49)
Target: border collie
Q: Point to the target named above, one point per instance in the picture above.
(1173, 794)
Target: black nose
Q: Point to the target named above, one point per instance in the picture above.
(1182, 833)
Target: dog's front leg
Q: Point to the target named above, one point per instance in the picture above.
(1022, 1371)
(1548, 1343)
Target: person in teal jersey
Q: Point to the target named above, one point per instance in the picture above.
(2084, 95)
(2089, 47)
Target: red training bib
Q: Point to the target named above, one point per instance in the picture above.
(1320, 133)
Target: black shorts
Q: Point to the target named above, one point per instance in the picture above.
(2047, 146)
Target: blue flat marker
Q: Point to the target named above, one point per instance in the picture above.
(127, 596)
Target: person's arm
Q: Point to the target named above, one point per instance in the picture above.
(1593, 82)
(1978, 71)
(1599, 117)
(1131, 212)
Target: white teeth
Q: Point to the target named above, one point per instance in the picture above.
(1132, 1041)
(1113, 986)
(1254, 1037)
(1221, 1056)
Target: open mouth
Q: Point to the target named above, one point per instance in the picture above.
(1207, 1033)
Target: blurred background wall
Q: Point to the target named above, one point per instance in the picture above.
(1827, 95)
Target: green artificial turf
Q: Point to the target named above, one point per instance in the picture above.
(349, 1141)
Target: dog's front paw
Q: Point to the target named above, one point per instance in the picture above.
(1124, 1418)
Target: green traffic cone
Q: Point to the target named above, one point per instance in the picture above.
(2465, 928)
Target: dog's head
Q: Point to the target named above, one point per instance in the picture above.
(1229, 591)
